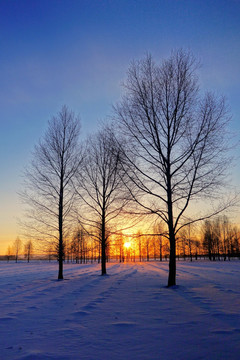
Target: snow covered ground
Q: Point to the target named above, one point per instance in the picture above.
(129, 314)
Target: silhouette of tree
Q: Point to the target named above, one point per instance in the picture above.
(100, 188)
(176, 140)
(49, 192)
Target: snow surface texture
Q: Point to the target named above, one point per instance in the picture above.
(129, 314)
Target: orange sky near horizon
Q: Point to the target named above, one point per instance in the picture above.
(12, 212)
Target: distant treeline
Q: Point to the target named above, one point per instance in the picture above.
(216, 239)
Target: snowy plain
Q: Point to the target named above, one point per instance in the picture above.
(129, 314)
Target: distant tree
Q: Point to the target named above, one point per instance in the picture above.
(100, 188)
(197, 246)
(75, 245)
(229, 238)
(9, 253)
(159, 231)
(236, 241)
(225, 227)
(154, 248)
(119, 243)
(51, 252)
(80, 245)
(17, 245)
(220, 238)
(186, 236)
(146, 247)
(140, 246)
(176, 140)
(217, 236)
(160, 242)
(212, 238)
(49, 193)
(28, 249)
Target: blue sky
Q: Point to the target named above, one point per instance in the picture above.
(76, 53)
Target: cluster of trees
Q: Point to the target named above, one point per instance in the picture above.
(19, 248)
(220, 239)
(166, 147)
(216, 239)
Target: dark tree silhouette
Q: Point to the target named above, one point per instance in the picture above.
(49, 193)
(17, 245)
(28, 249)
(176, 140)
(100, 188)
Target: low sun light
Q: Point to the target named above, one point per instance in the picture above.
(127, 244)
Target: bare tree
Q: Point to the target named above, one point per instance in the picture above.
(100, 188)
(28, 249)
(186, 236)
(9, 253)
(176, 138)
(209, 243)
(159, 230)
(17, 245)
(236, 241)
(49, 193)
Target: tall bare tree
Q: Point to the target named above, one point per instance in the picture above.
(100, 187)
(49, 193)
(176, 137)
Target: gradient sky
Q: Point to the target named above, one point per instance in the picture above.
(56, 52)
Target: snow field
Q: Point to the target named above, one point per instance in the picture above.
(129, 314)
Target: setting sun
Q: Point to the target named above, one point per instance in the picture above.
(127, 244)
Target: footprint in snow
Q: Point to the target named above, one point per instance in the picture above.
(81, 313)
(7, 318)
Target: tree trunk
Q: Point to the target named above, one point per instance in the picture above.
(172, 258)
(103, 240)
(104, 271)
(60, 257)
(60, 222)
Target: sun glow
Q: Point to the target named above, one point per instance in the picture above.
(127, 244)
